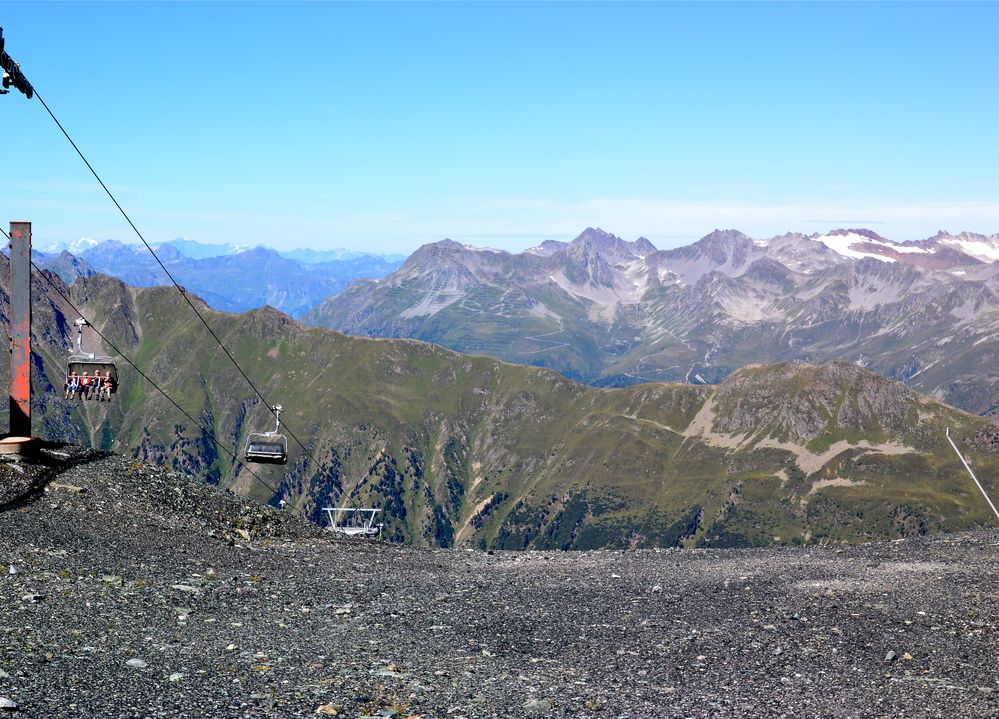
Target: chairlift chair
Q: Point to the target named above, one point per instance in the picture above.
(87, 362)
(353, 521)
(268, 447)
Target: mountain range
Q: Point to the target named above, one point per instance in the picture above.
(203, 250)
(470, 451)
(610, 312)
(227, 277)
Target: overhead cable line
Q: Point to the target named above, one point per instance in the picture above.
(146, 377)
(180, 289)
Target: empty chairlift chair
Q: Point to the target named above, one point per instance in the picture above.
(268, 447)
(354, 521)
(82, 362)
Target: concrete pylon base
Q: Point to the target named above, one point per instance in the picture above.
(20, 445)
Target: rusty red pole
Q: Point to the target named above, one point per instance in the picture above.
(20, 329)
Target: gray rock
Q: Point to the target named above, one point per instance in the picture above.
(538, 706)
(185, 588)
(8, 704)
(891, 656)
(136, 663)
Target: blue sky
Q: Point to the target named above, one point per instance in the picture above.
(385, 126)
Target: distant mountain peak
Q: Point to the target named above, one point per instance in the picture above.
(595, 234)
(644, 246)
(261, 251)
(448, 244)
(725, 235)
(611, 245)
(720, 247)
(548, 247)
(869, 234)
(440, 248)
(983, 248)
(724, 238)
(598, 238)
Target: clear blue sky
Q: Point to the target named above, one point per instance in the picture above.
(384, 126)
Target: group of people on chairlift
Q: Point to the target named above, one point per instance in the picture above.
(97, 387)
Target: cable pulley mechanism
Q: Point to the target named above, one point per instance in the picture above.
(12, 75)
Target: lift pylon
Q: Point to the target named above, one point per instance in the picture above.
(19, 438)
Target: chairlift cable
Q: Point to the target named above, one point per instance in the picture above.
(183, 292)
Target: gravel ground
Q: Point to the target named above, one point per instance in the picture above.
(139, 593)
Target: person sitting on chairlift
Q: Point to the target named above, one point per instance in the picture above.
(85, 386)
(107, 384)
(72, 385)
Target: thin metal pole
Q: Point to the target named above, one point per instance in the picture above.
(20, 329)
(979, 484)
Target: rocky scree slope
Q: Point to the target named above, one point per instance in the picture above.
(610, 312)
(139, 592)
(468, 451)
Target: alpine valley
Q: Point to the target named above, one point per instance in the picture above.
(613, 313)
(462, 450)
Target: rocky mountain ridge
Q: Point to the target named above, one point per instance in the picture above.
(612, 313)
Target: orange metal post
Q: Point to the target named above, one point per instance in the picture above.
(20, 329)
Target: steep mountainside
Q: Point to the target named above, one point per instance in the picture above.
(232, 281)
(614, 313)
(468, 450)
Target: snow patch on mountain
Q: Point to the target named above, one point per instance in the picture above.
(980, 249)
(845, 245)
(74, 247)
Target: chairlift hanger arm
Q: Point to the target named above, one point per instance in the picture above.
(80, 324)
(277, 409)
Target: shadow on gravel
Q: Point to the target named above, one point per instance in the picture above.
(42, 468)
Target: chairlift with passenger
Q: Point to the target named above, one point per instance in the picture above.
(268, 447)
(89, 363)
